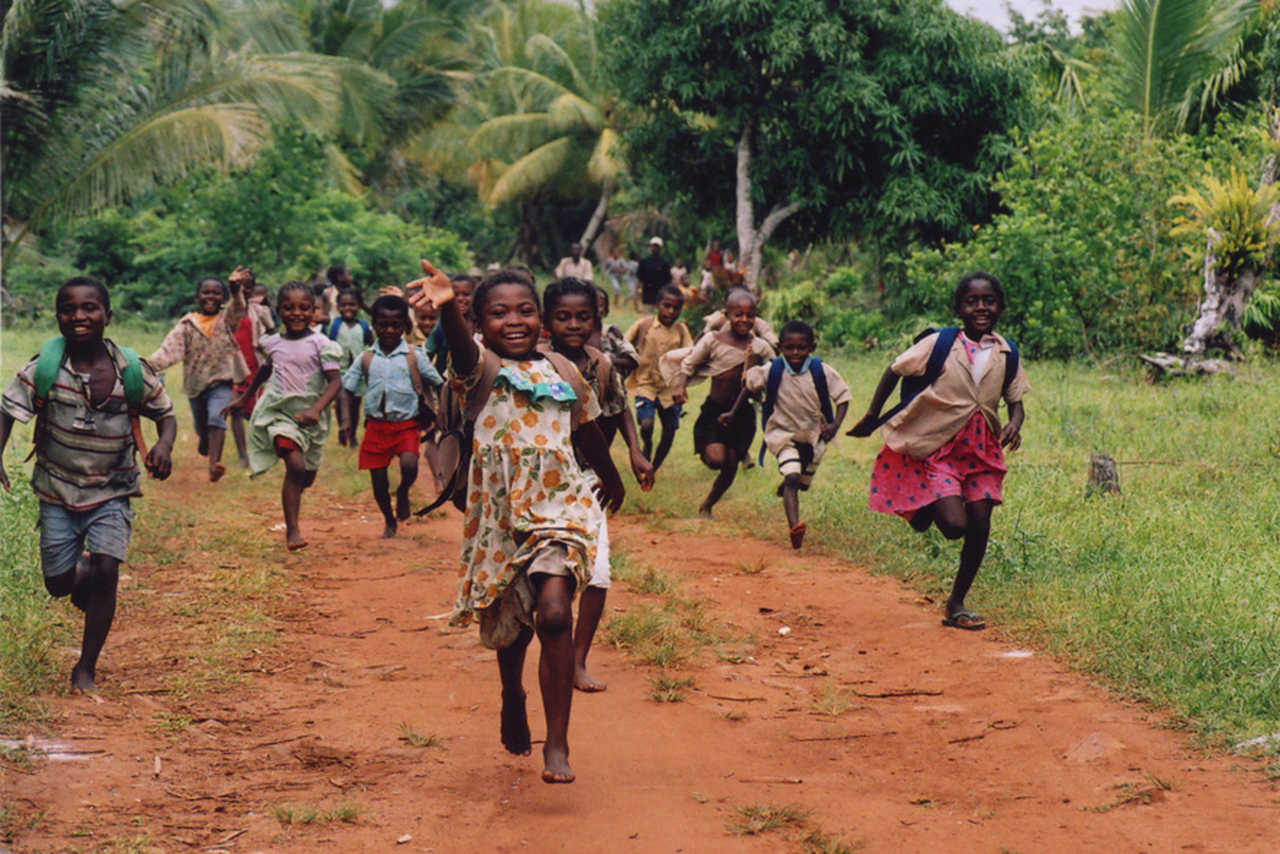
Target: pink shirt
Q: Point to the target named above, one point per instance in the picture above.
(294, 361)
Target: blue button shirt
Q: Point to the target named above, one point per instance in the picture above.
(389, 394)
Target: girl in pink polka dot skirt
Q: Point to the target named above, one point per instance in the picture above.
(943, 459)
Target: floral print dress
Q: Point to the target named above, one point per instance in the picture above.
(527, 494)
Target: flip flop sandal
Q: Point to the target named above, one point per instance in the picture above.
(966, 620)
(797, 535)
(216, 473)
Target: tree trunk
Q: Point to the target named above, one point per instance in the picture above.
(1225, 295)
(750, 239)
(597, 218)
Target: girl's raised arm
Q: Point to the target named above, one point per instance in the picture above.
(868, 425)
(436, 289)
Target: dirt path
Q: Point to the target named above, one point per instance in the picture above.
(931, 739)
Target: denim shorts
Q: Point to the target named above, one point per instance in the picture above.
(64, 534)
(206, 407)
(646, 409)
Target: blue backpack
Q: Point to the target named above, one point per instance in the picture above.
(819, 376)
(912, 386)
(364, 328)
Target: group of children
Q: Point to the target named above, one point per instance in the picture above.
(543, 382)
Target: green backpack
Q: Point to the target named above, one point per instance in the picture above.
(53, 353)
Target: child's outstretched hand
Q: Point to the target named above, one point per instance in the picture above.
(238, 277)
(433, 288)
(307, 417)
(862, 429)
(159, 463)
(610, 492)
(828, 432)
(1011, 436)
(642, 469)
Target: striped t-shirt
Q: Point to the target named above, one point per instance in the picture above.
(87, 454)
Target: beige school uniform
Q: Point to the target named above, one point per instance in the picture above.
(940, 412)
(797, 417)
(652, 341)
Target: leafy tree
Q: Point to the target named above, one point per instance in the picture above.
(103, 100)
(880, 120)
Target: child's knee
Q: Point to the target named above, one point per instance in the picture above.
(646, 425)
(555, 617)
(60, 585)
(793, 482)
(408, 465)
(949, 529)
(308, 478)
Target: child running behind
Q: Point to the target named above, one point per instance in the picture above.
(608, 339)
(204, 341)
(804, 401)
(942, 462)
(570, 312)
(85, 438)
(723, 356)
(396, 376)
(353, 336)
(257, 324)
(288, 422)
(654, 337)
(529, 536)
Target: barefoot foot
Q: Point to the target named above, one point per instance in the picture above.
(705, 511)
(216, 471)
(555, 765)
(390, 530)
(82, 679)
(585, 682)
(797, 535)
(402, 507)
(515, 725)
(294, 540)
(243, 462)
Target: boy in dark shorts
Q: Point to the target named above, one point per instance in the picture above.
(85, 478)
(653, 338)
(721, 435)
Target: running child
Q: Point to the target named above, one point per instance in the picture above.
(396, 377)
(570, 312)
(529, 536)
(289, 420)
(353, 336)
(204, 341)
(654, 337)
(608, 339)
(257, 324)
(942, 461)
(804, 403)
(724, 357)
(85, 437)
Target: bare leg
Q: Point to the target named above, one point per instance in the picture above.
(646, 438)
(382, 495)
(977, 532)
(554, 622)
(237, 433)
(515, 723)
(296, 479)
(670, 423)
(590, 609)
(408, 474)
(791, 506)
(96, 596)
(725, 461)
(217, 435)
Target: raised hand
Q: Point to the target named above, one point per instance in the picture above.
(433, 288)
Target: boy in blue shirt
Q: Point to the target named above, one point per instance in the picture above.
(393, 395)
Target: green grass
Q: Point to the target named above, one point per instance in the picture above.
(1169, 591)
(291, 814)
(755, 819)
(668, 689)
(417, 739)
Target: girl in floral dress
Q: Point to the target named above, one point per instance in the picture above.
(942, 461)
(529, 535)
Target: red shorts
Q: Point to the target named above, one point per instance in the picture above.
(284, 445)
(385, 440)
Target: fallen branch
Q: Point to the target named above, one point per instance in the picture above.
(885, 695)
(849, 737)
(791, 780)
(736, 699)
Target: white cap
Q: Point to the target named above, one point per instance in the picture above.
(655, 239)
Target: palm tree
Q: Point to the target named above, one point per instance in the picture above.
(1171, 57)
(546, 126)
(104, 99)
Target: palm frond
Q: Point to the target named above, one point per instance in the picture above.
(542, 46)
(504, 135)
(538, 86)
(606, 161)
(571, 114)
(531, 172)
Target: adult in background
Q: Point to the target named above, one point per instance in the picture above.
(653, 272)
(575, 266)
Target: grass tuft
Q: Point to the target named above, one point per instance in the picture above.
(294, 814)
(833, 702)
(417, 739)
(760, 818)
(667, 689)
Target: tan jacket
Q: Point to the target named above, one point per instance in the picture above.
(939, 412)
(205, 359)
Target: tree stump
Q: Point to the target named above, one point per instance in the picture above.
(1103, 476)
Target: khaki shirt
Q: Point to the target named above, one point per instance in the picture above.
(711, 357)
(939, 412)
(580, 269)
(652, 341)
(797, 412)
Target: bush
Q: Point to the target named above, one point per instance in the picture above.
(839, 306)
(1084, 249)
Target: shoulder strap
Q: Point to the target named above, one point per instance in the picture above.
(131, 379)
(819, 375)
(1010, 365)
(776, 367)
(414, 377)
(643, 330)
(368, 333)
(604, 370)
(334, 326)
(484, 386)
(912, 386)
(366, 359)
(49, 362)
(570, 374)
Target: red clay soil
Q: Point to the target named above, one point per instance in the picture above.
(932, 739)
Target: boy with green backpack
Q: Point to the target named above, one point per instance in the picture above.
(86, 395)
